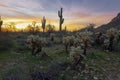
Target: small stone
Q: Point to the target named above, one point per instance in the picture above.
(95, 78)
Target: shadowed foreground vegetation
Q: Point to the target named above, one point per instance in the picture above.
(53, 62)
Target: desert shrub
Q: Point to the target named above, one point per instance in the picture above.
(6, 41)
(36, 43)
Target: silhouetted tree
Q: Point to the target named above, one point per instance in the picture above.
(12, 26)
(50, 28)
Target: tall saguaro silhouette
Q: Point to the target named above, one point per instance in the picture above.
(1, 22)
(61, 18)
(43, 21)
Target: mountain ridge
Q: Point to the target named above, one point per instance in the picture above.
(114, 23)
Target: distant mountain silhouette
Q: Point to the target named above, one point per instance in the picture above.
(114, 23)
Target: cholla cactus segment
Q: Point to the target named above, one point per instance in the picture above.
(42, 41)
(52, 36)
(118, 33)
(30, 38)
(66, 40)
(75, 54)
(111, 31)
(106, 42)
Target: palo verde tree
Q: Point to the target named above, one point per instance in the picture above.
(50, 28)
(36, 43)
(43, 21)
(1, 22)
(60, 14)
(85, 38)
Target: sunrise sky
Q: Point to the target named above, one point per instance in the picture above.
(77, 13)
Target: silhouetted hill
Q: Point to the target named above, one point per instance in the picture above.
(114, 23)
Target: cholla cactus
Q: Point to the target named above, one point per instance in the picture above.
(52, 35)
(106, 44)
(66, 42)
(36, 43)
(111, 33)
(85, 37)
(118, 36)
(76, 56)
(71, 38)
(76, 42)
(43, 21)
(99, 38)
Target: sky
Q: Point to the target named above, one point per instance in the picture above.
(77, 13)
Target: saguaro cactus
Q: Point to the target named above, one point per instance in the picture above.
(1, 22)
(61, 18)
(43, 23)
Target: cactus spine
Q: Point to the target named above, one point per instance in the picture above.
(43, 23)
(1, 22)
(61, 18)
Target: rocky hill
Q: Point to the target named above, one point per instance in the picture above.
(114, 23)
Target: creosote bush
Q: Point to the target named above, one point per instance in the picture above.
(36, 43)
